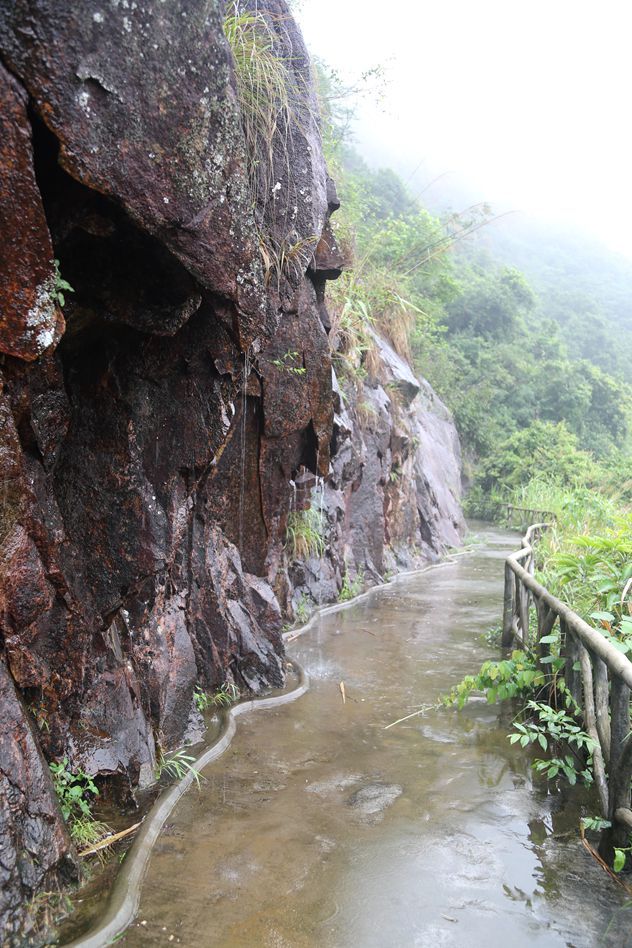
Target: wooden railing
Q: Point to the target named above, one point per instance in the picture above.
(597, 674)
(522, 516)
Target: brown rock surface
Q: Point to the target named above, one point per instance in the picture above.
(34, 845)
(147, 455)
(30, 320)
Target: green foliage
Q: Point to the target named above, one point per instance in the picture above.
(526, 375)
(552, 729)
(176, 766)
(86, 831)
(550, 449)
(202, 699)
(303, 608)
(552, 726)
(512, 677)
(351, 588)
(398, 277)
(566, 767)
(582, 287)
(264, 82)
(60, 287)
(304, 534)
(595, 823)
(619, 858)
(288, 363)
(493, 636)
(224, 696)
(75, 790)
(491, 305)
(585, 558)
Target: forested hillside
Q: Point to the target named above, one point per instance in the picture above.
(529, 348)
(581, 284)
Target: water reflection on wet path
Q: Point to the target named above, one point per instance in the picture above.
(320, 828)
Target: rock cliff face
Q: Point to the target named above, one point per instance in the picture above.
(152, 421)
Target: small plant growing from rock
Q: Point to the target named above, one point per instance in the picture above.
(201, 698)
(290, 259)
(225, 695)
(303, 609)
(351, 588)
(176, 765)
(264, 82)
(60, 286)
(287, 363)
(75, 791)
(304, 534)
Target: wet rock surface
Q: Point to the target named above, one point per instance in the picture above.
(392, 497)
(150, 435)
(34, 844)
(370, 802)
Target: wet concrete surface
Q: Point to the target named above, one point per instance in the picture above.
(318, 827)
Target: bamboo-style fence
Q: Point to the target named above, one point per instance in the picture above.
(597, 674)
(523, 516)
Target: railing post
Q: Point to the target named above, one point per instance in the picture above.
(602, 709)
(619, 781)
(507, 635)
(617, 837)
(570, 650)
(523, 601)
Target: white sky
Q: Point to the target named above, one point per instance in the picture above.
(529, 103)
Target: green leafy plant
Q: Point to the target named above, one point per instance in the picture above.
(619, 858)
(554, 727)
(60, 286)
(75, 790)
(595, 823)
(304, 534)
(265, 83)
(351, 588)
(493, 636)
(201, 698)
(225, 695)
(176, 766)
(303, 608)
(517, 676)
(287, 363)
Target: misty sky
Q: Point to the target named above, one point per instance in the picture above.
(530, 103)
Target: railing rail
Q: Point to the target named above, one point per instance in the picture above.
(597, 674)
(527, 514)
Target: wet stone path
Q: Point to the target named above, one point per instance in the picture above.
(318, 827)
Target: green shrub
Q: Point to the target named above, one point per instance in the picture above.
(264, 81)
(351, 588)
(176, 766)
(76, 791)
(304, 534)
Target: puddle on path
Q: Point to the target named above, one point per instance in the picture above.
(320, 828)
